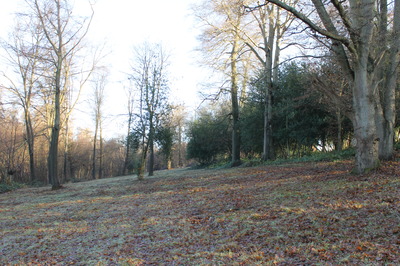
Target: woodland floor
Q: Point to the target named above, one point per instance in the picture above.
(294, 214)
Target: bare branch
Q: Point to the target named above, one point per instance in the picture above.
(306, 20)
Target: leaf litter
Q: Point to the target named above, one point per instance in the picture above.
(310, 213)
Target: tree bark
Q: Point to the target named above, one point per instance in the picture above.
(67, 170)
(128, 142)
(142, 166)
(169, 164)
(180, 161)
(62, 41)
(359, 23)
(151, 148)
(30, 138)
(269, 49)
(267, 142)
(235, 104)
(94, 152)
(339, 137)
(386, 116)
(101, 150)
(269, 23)
(52, 161)
(364, 122)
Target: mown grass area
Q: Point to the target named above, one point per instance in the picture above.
(294, 214)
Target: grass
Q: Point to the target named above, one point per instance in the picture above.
(6, 187)
(331, 156)
(314, 213)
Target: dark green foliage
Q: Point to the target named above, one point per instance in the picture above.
(209, 136)
(397, 126)
(252, 124)
(332, 156)
(301, 121)
(9, 186)
(133, 140)
(165, 139)
(318, 156)
(397, 145)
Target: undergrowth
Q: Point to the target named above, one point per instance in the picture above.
(6, 187)
(332, 156)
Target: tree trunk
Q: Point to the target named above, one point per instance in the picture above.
(141, 168)
(128, 144)
(270, 27)
(142, 165)
(101, 151)
(274, 70)
(55, 130)
(67, 170)
(94, 153)
(151, 150)
(30, 138)
(385, 128)
(53, 150)
(267, 143)
(235, 105)
(180, 161)
(388, 116)
(235, 131)
(364, 121)
(339, 138)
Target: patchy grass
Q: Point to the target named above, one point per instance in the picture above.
(6, 187)
(313, 213)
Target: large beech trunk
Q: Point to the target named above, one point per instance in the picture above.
(363, 55)
(364, 121)
(386, 116)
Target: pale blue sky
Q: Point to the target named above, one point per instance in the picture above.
(123, 23)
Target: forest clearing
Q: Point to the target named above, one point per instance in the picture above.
(303, 213)
(244, 81)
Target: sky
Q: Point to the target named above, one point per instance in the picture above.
(122, 24)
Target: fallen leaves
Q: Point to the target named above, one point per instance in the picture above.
(293, 214)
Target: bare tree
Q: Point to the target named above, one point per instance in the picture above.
(130, 93)
(150, 77)
(179, 117)
(222, 43)
(63, 34)
(330, 81)
(76, 75)
(24, 56)
(12, 145)
(272, 24)
(350, 26)
(99, 85)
